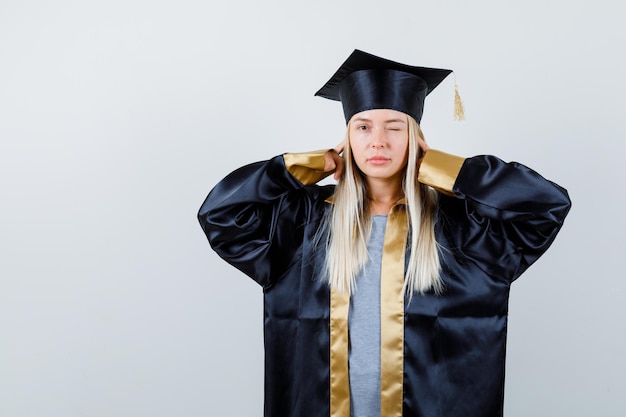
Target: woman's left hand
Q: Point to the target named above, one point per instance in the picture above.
(423, 147)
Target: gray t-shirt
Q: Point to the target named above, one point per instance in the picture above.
(364, 329)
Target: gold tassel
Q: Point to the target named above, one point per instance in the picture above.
(459, 112)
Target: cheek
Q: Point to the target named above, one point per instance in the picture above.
(355, 149)
(357, 158)
(406, 153)
(401, 148)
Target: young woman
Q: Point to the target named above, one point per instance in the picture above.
(387, 294)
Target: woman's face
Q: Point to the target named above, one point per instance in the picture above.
(379, 142)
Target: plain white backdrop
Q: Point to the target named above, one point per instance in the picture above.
(117, 117)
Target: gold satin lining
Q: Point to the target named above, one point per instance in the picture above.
(339, 374)
(391, 327)
(392, 313)
(306, 167)
(439, 170)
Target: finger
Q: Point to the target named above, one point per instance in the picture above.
(330, 162)
(423, 145)
(339, 169)
(339, 148)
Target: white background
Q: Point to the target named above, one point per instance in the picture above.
(117, 117)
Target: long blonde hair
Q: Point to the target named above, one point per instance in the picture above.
(349, 225)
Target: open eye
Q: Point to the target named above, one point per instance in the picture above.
(361, 127)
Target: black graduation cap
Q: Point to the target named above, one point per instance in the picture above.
(365, 82)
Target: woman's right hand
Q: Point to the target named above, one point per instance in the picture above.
(333, 160)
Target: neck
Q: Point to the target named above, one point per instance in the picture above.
(383, 195)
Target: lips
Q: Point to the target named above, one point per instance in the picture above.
(378, 160)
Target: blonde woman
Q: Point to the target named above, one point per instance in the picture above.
(387, 294)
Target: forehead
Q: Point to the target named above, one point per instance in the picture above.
(380, 115)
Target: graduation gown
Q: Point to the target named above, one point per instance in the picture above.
(441, 356)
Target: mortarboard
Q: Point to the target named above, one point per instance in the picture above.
(365, 82)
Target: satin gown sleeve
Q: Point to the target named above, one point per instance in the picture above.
(502, 215)
(253, 218)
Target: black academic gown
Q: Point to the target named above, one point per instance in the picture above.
(493, 222)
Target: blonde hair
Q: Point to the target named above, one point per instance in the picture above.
(349, 225)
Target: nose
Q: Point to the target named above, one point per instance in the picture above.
(378, 139)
